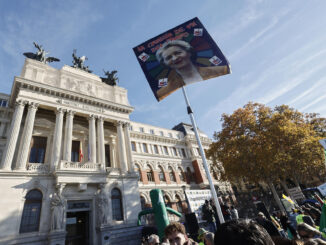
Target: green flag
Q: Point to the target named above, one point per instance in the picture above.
(322, 225)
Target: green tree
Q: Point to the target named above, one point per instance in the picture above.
(261, 144)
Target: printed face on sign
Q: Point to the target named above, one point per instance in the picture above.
(215, 60)
(198, 32)
(176, 57)
(143, 57)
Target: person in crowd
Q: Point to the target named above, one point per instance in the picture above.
(267, 224)
(234, 213)
(306, 231)
(242, 232)
(287, 226)
(293, 217)
(176, 234)
(209, 216)
(201, 234)
(304, 217)
(217, 219)
(226, 212)
(153, 240)
(179, 56)
(314, 212)
(209, 238)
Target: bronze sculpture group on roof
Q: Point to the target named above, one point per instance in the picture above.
(78, 63)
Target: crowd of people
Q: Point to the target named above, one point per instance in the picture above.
(299, 227)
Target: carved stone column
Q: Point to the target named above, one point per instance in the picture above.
(55, 158)
(128, 147)
(9, 151)
(112, 153)
(26, 137)
(68, 136)
(100, 138)
(92, 139)
(122, 149)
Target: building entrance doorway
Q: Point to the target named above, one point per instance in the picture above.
(78, 224)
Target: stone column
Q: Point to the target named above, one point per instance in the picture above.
(68, 136)
(25, 141)
(56, 148)
(100, 138)
(9, 151)
(112, 153)
(128, 147)
(92, 139)
(122, 149)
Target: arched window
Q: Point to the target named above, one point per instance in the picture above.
(171, 174)
(181, 175)
(142, 202)
(138, 171)
(116, 204)
(167, 201)
(32, 211)
(150, 175)
(179, 203)
(161, 174)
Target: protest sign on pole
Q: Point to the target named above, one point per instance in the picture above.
(180, 56)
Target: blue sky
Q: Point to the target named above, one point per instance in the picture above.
(277, 50)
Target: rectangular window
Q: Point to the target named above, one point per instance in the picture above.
(170, 135)
(131, 128)
(3, 103)
(155, 149)
(161, 133)
(141, 130)
(133, 146)
(145, 149)
(75, 147)
(151, 131)
(174, 151)
(107, 156)
(38, 148)
(165, 150)
(183, 152)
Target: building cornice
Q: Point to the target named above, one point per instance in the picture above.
(156, 138)
(66, 97)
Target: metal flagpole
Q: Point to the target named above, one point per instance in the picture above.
(192, 118)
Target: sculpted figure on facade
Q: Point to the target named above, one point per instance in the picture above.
(111, 78)
(57, 208)
(102, 206)
(78, 62)
(40, 55)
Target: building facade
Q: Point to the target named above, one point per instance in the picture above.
(75, 170)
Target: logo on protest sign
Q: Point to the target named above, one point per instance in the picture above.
(198, 32)
(169, 58)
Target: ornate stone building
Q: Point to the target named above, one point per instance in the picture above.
(75, 170)
(66, 172)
